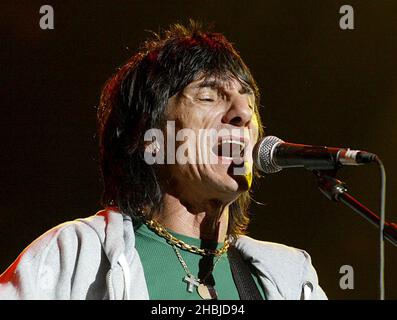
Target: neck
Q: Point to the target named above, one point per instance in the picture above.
(209, 222)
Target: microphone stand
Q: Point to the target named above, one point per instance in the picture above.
(336, 190)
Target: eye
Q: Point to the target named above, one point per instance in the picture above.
(207, 94)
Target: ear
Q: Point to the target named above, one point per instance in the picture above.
(153, 154)
(152, 147)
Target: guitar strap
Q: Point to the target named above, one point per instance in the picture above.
(246, 286)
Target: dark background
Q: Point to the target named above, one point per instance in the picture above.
(320, 85)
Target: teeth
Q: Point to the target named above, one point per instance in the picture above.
(228, 148)
(240, 143)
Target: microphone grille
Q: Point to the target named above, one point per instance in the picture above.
(263, 154)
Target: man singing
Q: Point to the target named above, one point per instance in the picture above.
(177, 125)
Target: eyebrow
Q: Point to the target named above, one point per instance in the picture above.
(218, 84)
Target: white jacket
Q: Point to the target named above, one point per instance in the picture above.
(95, 258)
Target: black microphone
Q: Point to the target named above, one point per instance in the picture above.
(271, 154)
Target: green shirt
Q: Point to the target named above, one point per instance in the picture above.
(164, 272)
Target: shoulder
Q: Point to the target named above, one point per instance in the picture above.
(286, 270)
(63, 236)
(78, 234)
(65, 239)
(71, 253)
(280, 253)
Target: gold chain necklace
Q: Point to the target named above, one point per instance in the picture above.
(161, 231)
(204, 290)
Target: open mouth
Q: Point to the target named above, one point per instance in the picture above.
(229, 148)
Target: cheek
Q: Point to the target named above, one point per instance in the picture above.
(187, 115)
(188, 120)
(198, 120)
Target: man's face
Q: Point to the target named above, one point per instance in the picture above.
(217, 129)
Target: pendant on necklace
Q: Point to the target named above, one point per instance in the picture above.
(191, 282)
(207, 292)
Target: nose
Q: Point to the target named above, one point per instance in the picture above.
(239, 112)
